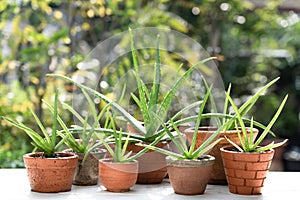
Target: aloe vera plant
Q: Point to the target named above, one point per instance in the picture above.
(85, 143)
(147, 101)
(222, 118)
(86, 132)
(189, 152)
(48, 143)
(107, 135)
(249, 144)
(118, 150)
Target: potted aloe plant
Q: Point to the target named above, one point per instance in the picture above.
(218, 174)
(149, 129)
(118, 172)
(48, 170)
(189, 170)
(246, 163)
(84, 146)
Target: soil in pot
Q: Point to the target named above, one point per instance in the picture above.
(217, 175)
(117, 177)
(246, 172)
(50, 174)
(189, 177)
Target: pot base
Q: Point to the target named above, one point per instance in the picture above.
(217, 182)
(118, 190)
(153, 177)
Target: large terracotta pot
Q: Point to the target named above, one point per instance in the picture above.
(50, 174)
(117, 177)
(87, 172)
(189, 177)
(246, 172)
(217, 175)
(152, 165)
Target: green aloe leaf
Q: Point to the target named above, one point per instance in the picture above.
(140, 84)
(168, 98)
(41, 126)
(163, 151)
(201, 109)
(212, 102)
(203, 149)
(234, 144)
(54, 126)
(244, 140)
(244, 109)
(36, 138)
(185, 109)
(272, 145)
(156, 83)
(271, 123)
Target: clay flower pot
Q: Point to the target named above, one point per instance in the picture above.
(246, 172)
(50, 174)
(117, 177)
(152, 165)
(217, 175)
(189, 177)
(87, 172)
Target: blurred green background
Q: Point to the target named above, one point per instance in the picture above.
(254, 41)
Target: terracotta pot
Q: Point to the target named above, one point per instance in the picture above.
(87, 172)
(152, 165)
(217, 175)
(246, 172)
(117, 177)
(189, 177)
(50, 174)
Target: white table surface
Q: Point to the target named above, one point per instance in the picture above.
(14, 185)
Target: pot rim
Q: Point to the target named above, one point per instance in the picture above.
(110, 161)
(36, 155)
(229, 149)
(96, 151)
(190, 163)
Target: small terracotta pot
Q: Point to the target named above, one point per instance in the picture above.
(50, 174)
(117, 177)
(246, 172)
(189, 177)
(87, 172)
(217, 175)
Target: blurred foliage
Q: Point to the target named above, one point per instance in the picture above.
(253, 45)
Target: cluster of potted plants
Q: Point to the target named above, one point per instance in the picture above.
(128, 153)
